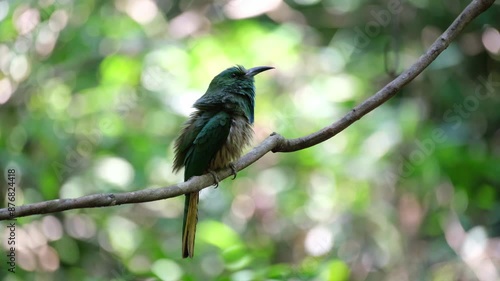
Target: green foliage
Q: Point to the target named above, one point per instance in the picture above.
(93, 93)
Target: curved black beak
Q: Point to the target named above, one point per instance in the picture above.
(258, 69)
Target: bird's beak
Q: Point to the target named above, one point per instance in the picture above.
(258, 69)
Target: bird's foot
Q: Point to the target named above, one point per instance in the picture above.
(233, 169)
(216, 178)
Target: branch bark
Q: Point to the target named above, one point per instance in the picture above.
(274, 143)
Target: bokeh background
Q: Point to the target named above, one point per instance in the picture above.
(93, 93)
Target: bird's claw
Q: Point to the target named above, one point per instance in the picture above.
(216, 178)
(233, 169)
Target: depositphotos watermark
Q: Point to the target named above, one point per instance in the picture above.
(453, 118)
(356, 40)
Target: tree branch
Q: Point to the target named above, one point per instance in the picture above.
(468, 14)
(274, 143)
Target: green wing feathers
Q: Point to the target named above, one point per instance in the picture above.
(204, 134)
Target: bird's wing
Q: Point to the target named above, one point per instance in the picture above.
(184, 141)
(211, 100)
(192, 128)
(208, 141)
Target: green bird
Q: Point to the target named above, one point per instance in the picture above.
(215, 135)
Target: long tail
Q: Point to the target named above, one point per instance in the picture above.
(189, 224)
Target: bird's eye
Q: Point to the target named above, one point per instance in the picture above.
(233, 75)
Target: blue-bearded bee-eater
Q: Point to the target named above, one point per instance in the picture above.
(215, 135)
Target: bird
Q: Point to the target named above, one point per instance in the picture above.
(215, 135)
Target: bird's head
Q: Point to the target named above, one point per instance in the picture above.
(233, 89)
(237, 78)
